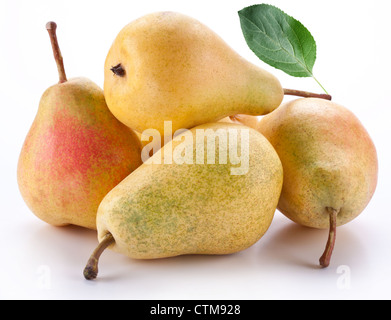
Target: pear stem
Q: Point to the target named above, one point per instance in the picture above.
(91, 268)
(326, 257)
(51, 28)
(305, 94)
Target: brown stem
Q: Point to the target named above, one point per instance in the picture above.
(305, 94)
(326, 257)
(91, 269)
(51, 28)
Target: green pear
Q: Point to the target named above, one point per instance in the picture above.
(213, 189)
(75, 152)
(167, 66)
(329, 160)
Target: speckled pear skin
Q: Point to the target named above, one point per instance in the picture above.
(165, 210)
(75, 152)
(328, 157)
(177, 69)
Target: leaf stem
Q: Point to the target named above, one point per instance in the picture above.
(320, 85)
(305, 94)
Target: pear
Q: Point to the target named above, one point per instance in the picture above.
(75, 152)
(167, 66)
(196, 195)
(329, 160)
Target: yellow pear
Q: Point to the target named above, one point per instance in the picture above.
(329, 160)
(167, 66)
(213, 189)
(75, 152)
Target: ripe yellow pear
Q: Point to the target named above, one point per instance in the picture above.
(75, 152)
(329, 160)
(212, 190)
(167, 66)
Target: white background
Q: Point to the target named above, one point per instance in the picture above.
(38, 261)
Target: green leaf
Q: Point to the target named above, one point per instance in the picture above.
(278, 39)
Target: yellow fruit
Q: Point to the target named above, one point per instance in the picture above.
(169, 67)
(192, 207)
